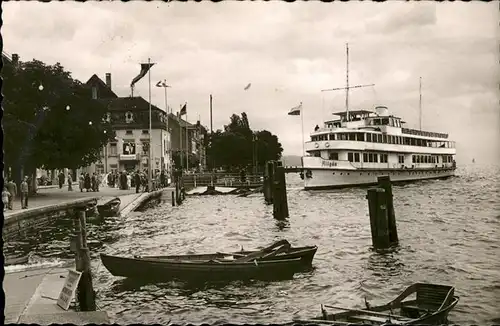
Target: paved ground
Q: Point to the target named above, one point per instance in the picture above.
(31, 297)
(51, 196)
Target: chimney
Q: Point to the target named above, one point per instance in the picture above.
(108, 80)
(15, 58)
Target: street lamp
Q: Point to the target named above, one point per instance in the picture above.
(165, 86)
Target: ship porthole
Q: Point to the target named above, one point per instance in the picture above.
(327, 145)
(316, 145)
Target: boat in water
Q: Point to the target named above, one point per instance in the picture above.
(278, 261)
(430, 306)
(360, 145)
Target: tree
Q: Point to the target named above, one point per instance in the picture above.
(194, 160)
(50, 119)
(239, 147)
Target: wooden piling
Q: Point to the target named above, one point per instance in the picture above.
(173, 198)
(267, 189)
(85, 291)
(378, 218)
(280, 205)
(384, 182)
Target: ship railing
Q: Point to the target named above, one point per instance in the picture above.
(423, 133)
(219, 179)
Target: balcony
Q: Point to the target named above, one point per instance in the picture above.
(130, 157)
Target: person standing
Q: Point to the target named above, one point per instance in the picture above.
(5, 198)
(24, 193)
(87, 182)
(70, 182)
(93, 181)
(81, 182)
(61, 180)
(12, 188)
(137, 181)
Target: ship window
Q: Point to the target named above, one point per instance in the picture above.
(375, 158)
(365, 157)
(352, 136)
(331, 136)
(401, 159)
(384, 139)
(383, 158)
(413, 159)
(356, 157)
(379, 138)
(360, 137)
(369, 137)
(385, 121)
(350, 157)
(333, 156)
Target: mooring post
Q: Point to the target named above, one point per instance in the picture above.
(85, 291)
(272, 170)
(267, 182)
(378, 218)
(173, 198)
(384, 182)
(280, 207)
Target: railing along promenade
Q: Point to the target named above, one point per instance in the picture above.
(219, 179)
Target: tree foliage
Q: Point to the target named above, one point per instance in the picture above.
(239, 147)
(55, 126)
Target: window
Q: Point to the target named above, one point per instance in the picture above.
(383, 158)
(369, 137)
(129, 132)
(365, 157)
(99, 168)
(332, 136)
(145, 132)
(385, 121)
(350, 157)
(360, 137)
(379, 138)
(333, 156)
(128, 148)
(94, 93)
(112, 149)
(356, 157)
(384, 139)
(375, 158)
(413, 159)
(352, 136)
(401, 159)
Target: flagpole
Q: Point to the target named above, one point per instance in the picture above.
(150, 143)
(180, 138)
(168, 131)
(187, 143)
(302, 129)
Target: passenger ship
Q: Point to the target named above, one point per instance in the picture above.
(361, 145)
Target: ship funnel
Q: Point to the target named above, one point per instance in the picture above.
(382, 110)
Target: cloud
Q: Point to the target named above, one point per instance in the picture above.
(296, 48)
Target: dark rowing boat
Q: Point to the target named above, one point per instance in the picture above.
(430, 306)
(12, 260)
(277, 261)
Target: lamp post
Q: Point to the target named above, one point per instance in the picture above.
(165, 86)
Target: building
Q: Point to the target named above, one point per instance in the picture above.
(129, 117)
(196, 135)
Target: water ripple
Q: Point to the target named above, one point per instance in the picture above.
(448, 231)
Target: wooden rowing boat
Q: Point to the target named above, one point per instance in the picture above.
(12, 260)
(431, 306)
(277, 261)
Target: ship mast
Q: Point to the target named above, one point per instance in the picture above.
(420, 102)
(347, 87)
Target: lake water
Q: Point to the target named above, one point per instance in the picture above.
(449, 232)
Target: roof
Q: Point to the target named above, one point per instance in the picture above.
(133, 104)
(104, 90)
(183, 123)
(344, 113)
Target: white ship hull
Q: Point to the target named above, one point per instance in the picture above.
(321, 178)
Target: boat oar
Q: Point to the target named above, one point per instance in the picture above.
(368, 312)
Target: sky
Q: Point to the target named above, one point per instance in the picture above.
(289, 52)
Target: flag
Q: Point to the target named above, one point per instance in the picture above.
(161, 84)
(183, 110)
(144, 70)
(296, 110)
(247, 86)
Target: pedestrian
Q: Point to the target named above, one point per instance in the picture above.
(137, 181)
(70, 182)
(12, 188)
(81, 182)
(88, 182)
(24, 193)
(93, 181)
(5, 198)
(61, 180)
(162, 178)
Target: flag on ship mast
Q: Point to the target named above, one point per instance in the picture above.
(296, 110)
(247, 86)
(144, 70)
